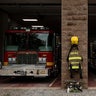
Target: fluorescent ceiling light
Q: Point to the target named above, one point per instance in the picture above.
(29, 19)
(37, 26)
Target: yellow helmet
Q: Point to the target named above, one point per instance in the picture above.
(74, 40)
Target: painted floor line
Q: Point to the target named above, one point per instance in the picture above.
(50, 85)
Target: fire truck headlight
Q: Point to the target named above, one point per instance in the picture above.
(9, 59)
(14, 59)
(42, 60)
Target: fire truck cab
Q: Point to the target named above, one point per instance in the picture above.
(29, 52)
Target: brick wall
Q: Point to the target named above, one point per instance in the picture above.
(74, 22)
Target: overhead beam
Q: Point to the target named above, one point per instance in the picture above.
(92, 1)
(92, 5)
(30, 4)
(30, 1)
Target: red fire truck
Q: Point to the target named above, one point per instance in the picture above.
(29, 53)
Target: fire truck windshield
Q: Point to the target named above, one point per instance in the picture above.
(29, 41)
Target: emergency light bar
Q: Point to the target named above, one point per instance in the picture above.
(29, 19)
(37, 26)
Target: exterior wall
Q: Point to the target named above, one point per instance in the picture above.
(74, 22)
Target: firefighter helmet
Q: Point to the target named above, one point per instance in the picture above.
(74, 40)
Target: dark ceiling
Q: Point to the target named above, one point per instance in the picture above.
(92, 18)
(48, 12)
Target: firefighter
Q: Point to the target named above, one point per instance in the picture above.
(74, 59)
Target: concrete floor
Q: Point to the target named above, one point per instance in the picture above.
(92, 78)
(43, 92)
(41, 89)
(30, 82)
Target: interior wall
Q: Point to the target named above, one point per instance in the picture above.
(3, 28)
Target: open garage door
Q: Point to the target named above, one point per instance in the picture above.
(92, 44)
(29, 44)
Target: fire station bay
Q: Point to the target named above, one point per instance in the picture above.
(49, 38)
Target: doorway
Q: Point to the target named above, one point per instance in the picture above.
(92, 45)
(45, 14)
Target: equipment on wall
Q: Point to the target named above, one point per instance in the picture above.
(73, 86)
(74, 59)
(74, 40)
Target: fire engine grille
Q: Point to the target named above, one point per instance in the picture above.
(27, 58)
